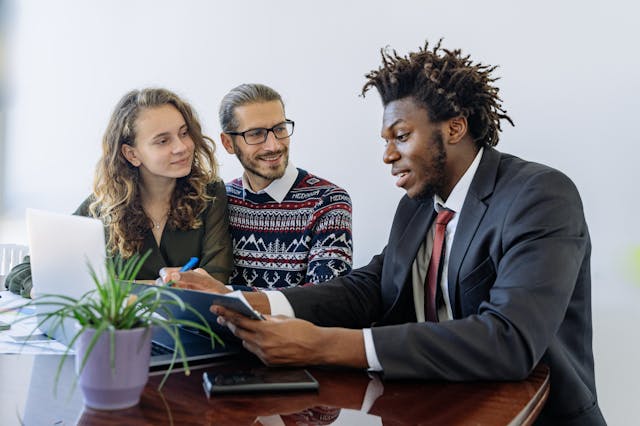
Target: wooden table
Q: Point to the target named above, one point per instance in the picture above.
(345, 397)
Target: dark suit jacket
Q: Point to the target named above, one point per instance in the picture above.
(519, 285)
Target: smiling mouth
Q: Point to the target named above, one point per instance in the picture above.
(401, 177)
(270, 158)
(181, 162)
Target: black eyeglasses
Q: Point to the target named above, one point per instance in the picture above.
(259, 134)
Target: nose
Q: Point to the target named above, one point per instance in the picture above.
(178, 145)
(390, 154)
(272, 142)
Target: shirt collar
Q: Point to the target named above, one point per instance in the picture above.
(459, 192)
(279, 188)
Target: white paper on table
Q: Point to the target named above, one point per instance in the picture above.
(9, 303)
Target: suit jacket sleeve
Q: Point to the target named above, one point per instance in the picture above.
(351, 301)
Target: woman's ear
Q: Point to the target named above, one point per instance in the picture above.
(456, 129)
(130, 154)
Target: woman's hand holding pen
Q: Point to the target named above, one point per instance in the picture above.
(197, 279)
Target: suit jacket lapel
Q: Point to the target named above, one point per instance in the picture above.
(473, 211)
(414, 234)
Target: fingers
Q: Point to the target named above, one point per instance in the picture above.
(231, 326)
(229, 316)
(198, 280)
(173, 274)
(201, 272)
(188, 279)
(265, 339)
(165, 273)
(176, 279)
(246, 329)
(218, 310)
(255, 350)
(247, 336)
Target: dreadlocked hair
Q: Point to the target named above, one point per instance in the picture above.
(447, 84)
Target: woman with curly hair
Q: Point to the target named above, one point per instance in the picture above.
(156, 188)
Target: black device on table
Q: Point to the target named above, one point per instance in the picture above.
(257, 379)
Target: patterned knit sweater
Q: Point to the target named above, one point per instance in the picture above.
(304, 239)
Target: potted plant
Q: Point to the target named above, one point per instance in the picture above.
(113, 335)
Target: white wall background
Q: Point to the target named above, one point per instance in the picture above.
(569, 80)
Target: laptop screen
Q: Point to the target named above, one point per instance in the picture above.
(62, 247)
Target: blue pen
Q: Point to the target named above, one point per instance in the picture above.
(187, 266)
(190, 264)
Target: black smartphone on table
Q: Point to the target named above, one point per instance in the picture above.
(258, 379)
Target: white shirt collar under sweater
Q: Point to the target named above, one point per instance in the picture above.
(279, 188)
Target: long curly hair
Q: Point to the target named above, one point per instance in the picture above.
(116, 191)
(447, 84)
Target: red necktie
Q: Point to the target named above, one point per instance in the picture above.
(431, 284)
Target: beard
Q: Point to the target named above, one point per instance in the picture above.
(252, 166)
(435, 183)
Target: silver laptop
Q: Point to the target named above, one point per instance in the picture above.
(62, 246)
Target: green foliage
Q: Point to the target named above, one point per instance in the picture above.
(117, 303)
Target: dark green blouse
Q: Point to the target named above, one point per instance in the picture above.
(211, 243)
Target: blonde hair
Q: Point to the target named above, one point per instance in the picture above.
(116, 193)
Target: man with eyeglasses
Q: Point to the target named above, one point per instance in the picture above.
(288, 227)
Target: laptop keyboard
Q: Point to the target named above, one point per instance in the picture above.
(158, 349)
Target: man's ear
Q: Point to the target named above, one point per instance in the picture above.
(456, 128)
(130, 154)
(227, 143)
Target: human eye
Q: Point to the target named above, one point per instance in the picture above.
(402, 137)
(184, 133)
(160, 141)
(253, 133)
(280, 129)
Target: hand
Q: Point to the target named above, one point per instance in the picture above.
(197, 279)
(278, 340)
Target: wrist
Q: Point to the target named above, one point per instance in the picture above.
(258, 301)
(340, 346)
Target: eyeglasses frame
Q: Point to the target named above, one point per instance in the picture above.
(293, 125)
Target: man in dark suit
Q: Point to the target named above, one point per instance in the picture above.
(513, 285)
